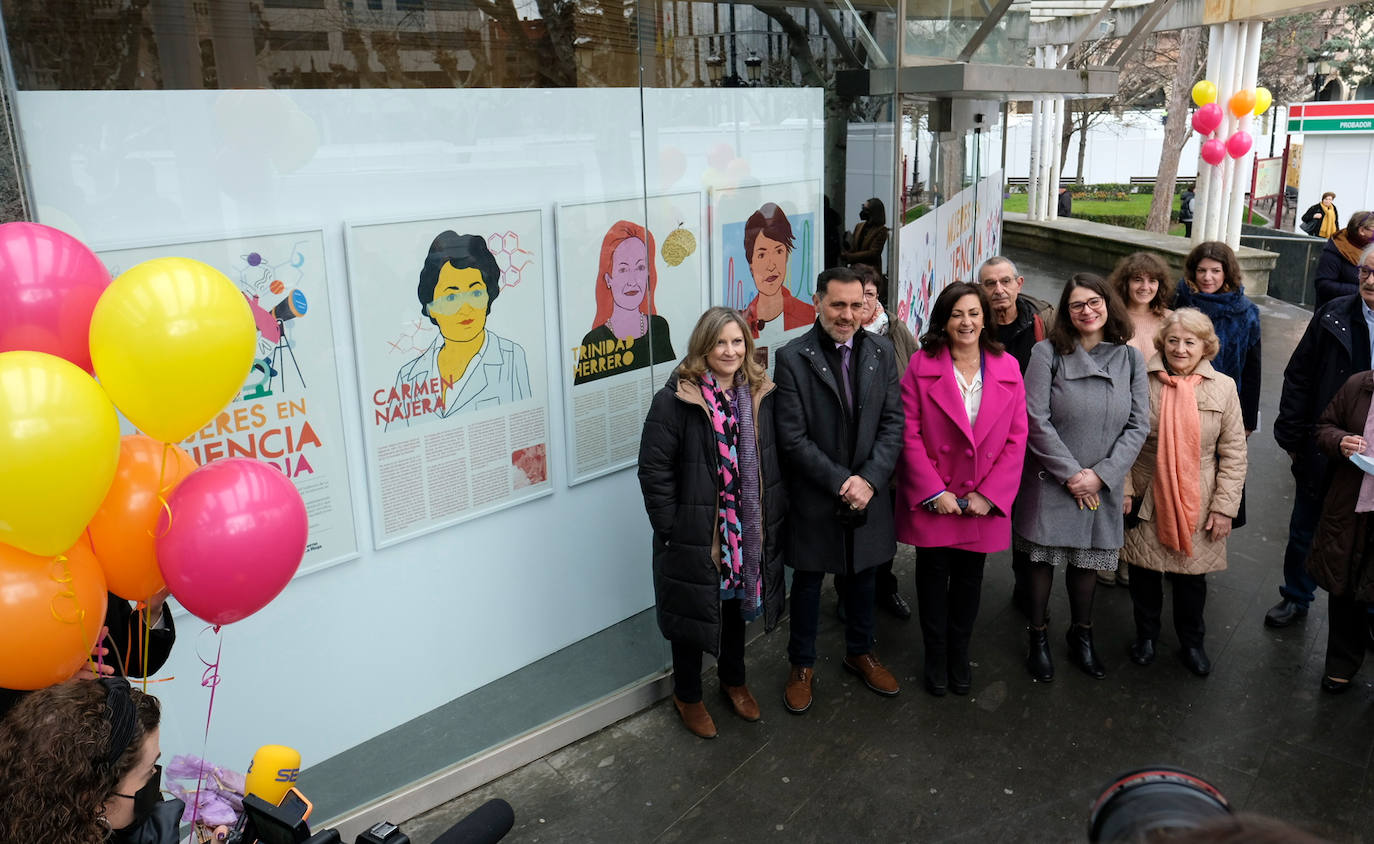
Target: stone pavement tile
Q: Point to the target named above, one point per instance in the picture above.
(1311, 790)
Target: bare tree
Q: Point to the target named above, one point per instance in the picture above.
(1175, 129)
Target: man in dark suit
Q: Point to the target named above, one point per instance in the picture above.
(839, 428)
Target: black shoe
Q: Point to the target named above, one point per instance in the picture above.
(1284, 613)
(960, 675)
(1142, 652)
(1335, 685)
(1196, 660)
(1038, 660)
(936, 678)
(895, 604)
(1081, 651)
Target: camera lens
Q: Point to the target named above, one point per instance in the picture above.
(1155, 799)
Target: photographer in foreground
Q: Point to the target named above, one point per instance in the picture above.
(80, 765)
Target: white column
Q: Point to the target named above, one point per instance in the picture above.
(1217, 195)
(1249, 77)
(1205, 171)
(1032, 188)
(1056, 136)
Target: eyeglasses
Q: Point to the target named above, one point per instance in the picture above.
(870, 296)
(999, 282)
(453, 302)
(1366, 272)
(1095, 303)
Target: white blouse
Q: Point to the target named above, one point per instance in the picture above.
(971, 392)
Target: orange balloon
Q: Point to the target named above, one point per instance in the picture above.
(123, 531)
(1242, 102)
(51, 612)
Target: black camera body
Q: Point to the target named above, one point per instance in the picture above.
(267, 824)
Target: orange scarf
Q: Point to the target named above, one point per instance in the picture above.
(1348, 250)
(1329, 224)
(1178, 473)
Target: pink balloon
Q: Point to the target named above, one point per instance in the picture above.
(1213, 151)
(1207, 118)
(1239, 144)
(49, 284)
(237, 535)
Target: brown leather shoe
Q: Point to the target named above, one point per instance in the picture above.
(872, 672)
(695, 718)
(741, 701)
(796, 695)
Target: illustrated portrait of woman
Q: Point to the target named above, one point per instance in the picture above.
(472, 366)
(627, 332)
(768, 244)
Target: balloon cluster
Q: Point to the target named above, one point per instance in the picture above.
(84, 511)
(1208, 118)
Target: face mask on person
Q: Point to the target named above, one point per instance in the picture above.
(863, 213)
(146, 801)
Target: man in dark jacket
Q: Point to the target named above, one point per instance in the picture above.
(1335, 346)
(839, 429)
(1020, 322)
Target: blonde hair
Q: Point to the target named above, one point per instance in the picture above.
(703, 339)
(1194, 322)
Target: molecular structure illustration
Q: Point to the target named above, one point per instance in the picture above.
(512, 260)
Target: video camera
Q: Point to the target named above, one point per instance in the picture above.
(286, 824)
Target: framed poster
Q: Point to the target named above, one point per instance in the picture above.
(916, 285)
(632, 284)
(766, 251)
(288, 412)
(449, 330)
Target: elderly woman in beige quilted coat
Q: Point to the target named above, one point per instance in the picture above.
(1185, 486)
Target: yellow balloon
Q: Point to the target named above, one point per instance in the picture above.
(1204, 92)
(59, 447)
(172, 341)
(1263, 99)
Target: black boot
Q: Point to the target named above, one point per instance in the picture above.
(1081, 651)
(1038, 661)
(1143, 651)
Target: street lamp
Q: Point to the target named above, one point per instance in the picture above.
(754, 68)
(715, 67)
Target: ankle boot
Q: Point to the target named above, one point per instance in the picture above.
(1081, 651)
(1038, 661)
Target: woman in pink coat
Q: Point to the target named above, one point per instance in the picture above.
(963, 447)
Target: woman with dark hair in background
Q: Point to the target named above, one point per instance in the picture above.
(1340, 561)
(868, 243)
(963, 447)
(1141, 280)
(1338, 267)
(80, 767)
(1089, 407)
(1213, 284)
(708, 469)
(1185, 487)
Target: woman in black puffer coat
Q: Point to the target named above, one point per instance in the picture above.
(708, 469)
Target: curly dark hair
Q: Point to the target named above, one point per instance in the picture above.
(1149, 265)
(936, 338)
(56, 775)
(1118, 328)
(1222, 254)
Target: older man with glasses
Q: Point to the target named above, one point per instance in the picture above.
(1336, 344)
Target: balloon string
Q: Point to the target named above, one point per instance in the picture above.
(209, 679)
(145, 641)
(60, 572)
(162, 493)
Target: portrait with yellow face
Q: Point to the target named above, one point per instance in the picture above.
(471, 366)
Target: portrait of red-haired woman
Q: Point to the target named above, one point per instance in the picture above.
(627, 332)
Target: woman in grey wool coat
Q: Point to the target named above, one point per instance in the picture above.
(1088, 403)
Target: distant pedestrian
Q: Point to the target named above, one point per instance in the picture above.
(868, 243)
(1065, 203)
(1322, 219)
(1185, 211)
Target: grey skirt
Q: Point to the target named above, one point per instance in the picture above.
(1099, 559)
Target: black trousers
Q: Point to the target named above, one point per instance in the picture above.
(949, 584)
(1190, 597)
(1347, 635)
(885, 582)
(730, 665)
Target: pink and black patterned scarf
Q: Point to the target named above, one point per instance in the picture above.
(740, 510)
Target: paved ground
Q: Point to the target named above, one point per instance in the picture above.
(1014, 761)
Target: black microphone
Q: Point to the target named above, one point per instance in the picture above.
(487, 824)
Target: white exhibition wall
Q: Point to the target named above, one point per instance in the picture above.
(352, 649)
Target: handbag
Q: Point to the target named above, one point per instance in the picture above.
(1312, 226)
